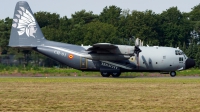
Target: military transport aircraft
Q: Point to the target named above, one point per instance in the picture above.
(107, 58)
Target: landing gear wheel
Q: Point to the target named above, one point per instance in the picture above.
(116, 74)
(105, 74)
(172, 73)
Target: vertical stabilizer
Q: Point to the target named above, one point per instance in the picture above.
(25, 31)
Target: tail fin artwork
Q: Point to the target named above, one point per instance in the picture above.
(25, 30)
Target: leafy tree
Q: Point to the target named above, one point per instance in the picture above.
(5, 28)
(54, 34)
(98, 32)
(78, 20)
(195, 13)
(141, 25)
(174, 27)
(110, 15)
(194, 16)
(65, 24)
(197, 59)
(76, 35)
(124, 27)
(47, 19)
(83, 17)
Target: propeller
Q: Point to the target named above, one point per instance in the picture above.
(137, 50)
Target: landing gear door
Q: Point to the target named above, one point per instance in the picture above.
(83, 63)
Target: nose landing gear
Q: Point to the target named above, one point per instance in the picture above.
(172, 73)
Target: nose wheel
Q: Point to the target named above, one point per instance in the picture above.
(172, 73)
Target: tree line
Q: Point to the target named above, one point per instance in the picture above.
(114, 25)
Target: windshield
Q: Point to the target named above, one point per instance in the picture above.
(184, 55)
(180, 52)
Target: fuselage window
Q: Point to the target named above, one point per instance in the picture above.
(180, 58)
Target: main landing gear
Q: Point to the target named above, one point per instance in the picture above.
(172, 73)
(107, 74)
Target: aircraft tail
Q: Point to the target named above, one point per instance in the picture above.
(25, 31)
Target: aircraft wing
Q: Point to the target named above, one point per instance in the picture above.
(108, 51)
(109, 48)
(102, 46)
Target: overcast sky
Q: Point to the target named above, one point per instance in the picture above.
(68, 7)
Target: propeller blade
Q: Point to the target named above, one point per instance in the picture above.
(136, 42)
(137, 50)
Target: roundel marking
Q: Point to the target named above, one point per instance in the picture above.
(71, 56)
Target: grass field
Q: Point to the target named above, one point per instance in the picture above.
(15, 71)
(100, 94)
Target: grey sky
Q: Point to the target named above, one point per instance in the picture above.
(68, 7)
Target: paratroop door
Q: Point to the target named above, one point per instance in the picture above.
(83, 63)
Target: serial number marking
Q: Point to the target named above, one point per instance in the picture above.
(60, 53)
(109, 65)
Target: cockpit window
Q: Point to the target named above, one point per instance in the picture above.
(184, 56)
(178, 52)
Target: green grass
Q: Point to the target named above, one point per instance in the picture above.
(100, 94)
(44, 71)
(194, 72)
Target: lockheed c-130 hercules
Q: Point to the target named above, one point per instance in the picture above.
(107, 58)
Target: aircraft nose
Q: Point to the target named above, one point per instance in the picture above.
(189, 63)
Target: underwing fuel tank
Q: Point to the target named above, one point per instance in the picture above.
(109, 57)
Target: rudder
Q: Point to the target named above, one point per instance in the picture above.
(25, 31)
